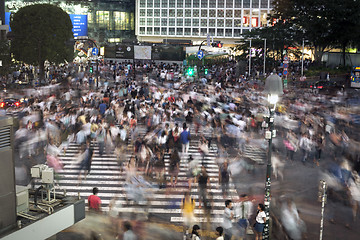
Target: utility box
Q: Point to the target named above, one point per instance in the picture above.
(22, 199)
(7, 176)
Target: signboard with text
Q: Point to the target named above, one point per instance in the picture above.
(124, 51)
(80, 25)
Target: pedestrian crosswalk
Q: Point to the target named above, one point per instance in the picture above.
(162, 202)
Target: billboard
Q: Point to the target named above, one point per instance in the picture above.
(80, 26)
(7, 19)
(168, 53)
(142, 52)
(124, 51)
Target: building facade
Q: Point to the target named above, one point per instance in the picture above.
(109, 21)
(224, 20)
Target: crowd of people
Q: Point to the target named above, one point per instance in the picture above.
(225, 111)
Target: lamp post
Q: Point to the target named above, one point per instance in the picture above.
(273, 89)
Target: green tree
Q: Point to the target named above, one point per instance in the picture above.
(5, 58)
(40, 33)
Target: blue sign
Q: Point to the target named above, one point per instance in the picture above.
(285, 72)
(80, 25)
(200, 54)
(7, 19)
(95, 51)
(286, 65)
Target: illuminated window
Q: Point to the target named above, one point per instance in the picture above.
(246, 18)
(103, 19)
(263, 19)
(90, 18)
(254, 22)
(122, 21)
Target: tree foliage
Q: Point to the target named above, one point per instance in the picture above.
(5, 57)
(40, 33)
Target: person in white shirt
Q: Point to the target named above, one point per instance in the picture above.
(219, 233)
(260, 222)
(227, 223)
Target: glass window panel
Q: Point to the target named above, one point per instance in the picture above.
(237, 32)
(156, 21)
(156, 31)
(212, 3)
(212, 31)
(172, 3)
(196, 13)
(187, 31)
(179, 31)
(180, 3)
(254, 22)
(220, 22)
(149, 30)
(179, 13)
(228, 23)
(187, 22)
(195, 22)
(142, 4)
(187, 12)
(204, 22)
(157, 12)
(195, 32)
(203, 32)
(196, 3)
(212, 13)
(237, 13)
(164, 31)
(212, 23)
(220, 13)
(229, 3)
(149, 21)
(237, 22)
(121, 21)
(188, 3)
(204, 3)
(142, 12)
(103, 19)
(245, 31)
(149, 12)
(220, 4)
(164, 22)
(246, 18)
(164, 12)
(204, 13)
(220, 32)
(164, 3)
(171, 21)
(171, 12)
(150, 4)
(142, 30)
(157, 5)
(171, 31)
(264, 4)
(228, 32)
(179, 21)
(238, 3)
(229, 13)
(246, 3)
(255, 3)
(263, 19)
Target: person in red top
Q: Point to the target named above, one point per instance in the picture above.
(94, 202)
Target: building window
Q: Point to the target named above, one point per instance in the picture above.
(245, 31)
(187, 12)
(203, 32)
(220, 22)
(164, 12)
(103, 19)
(150, 4)
(156, 21)
(212, 3)
(187, 22)
(255, 18)
(195, 32)
(149, 21)
(171, 21)
(246, 18)
(164, 22)
(229, 13)
(149, 13)
(142, 30)
(171, 31)
(220, 32)
(142, 12)
(212, 31)
(204, 22)
(204, 13)
(188, 3)
(237, 3)
(180, 3)
(228, 33)
(143, 4)
(149, 30)
(171, 3)
(121, 20)
(229, 3)
(220, 13)
(179, 21)
(264, 4)
(195, 22)
(220, 4)
(228, 23)
(237, 13)
(157, 5)
(179, 31)
(196, 13)
(157, 13)
(196, 3)
(212, 13)
(164, 31)
(187, 31)
(263, 19)
(179, 13)
(255, 3)
(237, 22)
(212, 23)
(164, 4)
(157, 31)
(237, 32)
(204, 3)
(171, 12)
(246, 3)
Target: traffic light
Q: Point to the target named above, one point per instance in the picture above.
(190, 71)
(217, 44)
(91, 69)
(206, 71)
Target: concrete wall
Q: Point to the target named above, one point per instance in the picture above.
(335, 59)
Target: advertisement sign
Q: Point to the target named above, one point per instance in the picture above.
(142, 52)
(124, 51)
(168, 53)
(7, 19)
(80, 25)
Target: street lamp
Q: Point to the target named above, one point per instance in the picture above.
(273, 89)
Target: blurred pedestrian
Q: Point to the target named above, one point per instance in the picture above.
(227, 220)
(185, 139)
(195, 233)
(219, 233)
(94, 202)
(128, 233)
(260, 222)
(187, 207)
(174, 167)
